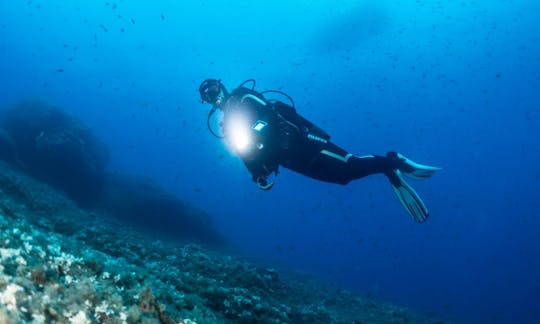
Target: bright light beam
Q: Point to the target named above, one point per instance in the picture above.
(239, 133)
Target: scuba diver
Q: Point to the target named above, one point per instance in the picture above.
(266, 133)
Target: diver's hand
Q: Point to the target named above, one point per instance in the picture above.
(263, 184)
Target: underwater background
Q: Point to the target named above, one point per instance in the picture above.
(447, 83)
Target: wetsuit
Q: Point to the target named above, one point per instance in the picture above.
(280, 136)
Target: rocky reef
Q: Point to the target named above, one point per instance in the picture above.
(57, 148)
(62, 264)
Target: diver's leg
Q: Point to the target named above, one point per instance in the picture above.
(362, 166)
(334, 164)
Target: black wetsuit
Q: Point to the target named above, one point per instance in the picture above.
(280, 136)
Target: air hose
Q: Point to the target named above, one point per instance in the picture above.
(210, 113)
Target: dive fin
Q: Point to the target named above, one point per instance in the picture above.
(408, 197)
(415, 170)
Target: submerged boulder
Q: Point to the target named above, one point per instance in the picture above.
(55, 147)
(141, 203)
(58, 149)
(8, 150)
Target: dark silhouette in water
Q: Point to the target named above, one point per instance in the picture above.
(354, 27)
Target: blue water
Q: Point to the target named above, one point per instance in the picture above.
(448, 83)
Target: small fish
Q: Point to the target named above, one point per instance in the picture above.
(59, 70)
(162, 16)
(132, 21)
(103, 27)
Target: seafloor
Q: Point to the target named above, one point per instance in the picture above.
(61, 264)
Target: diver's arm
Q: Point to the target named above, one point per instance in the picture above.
(260, 173)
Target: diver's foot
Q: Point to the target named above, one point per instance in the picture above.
(408, 198)
(410, 168)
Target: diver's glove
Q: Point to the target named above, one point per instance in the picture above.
(263, 183)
